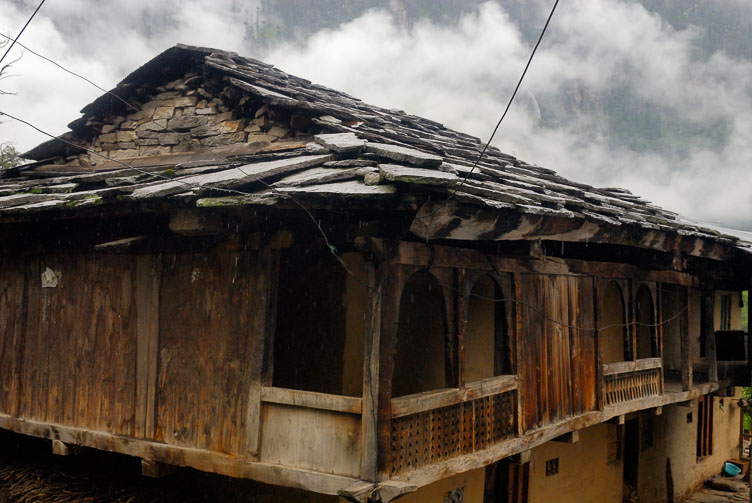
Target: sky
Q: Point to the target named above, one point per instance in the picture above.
(459, 72)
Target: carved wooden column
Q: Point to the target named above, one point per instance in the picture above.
(708, 304)
(686, 340)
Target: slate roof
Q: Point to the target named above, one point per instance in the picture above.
(362, 152)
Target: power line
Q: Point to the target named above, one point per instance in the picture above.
(22, 30)
(64, 68)
(509, 104)
(332, 248)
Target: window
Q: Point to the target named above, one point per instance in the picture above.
(725, 315)
(617, 345)
(420, 358)
(552, 467)
(487, 351)
(704, 426)
(647, 342)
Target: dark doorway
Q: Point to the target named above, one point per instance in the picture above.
(631, 454)
(506, 482)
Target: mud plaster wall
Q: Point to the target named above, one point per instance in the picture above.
(584, 473)
(671, 329)
(479, 338)
(676, 439)
(473, 482)
(613, 317)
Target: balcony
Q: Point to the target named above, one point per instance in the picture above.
(625, 381)
(434, 426)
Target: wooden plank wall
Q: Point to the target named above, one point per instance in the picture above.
(557, 363)
(73, 344)
(203, 334)
(141, 346)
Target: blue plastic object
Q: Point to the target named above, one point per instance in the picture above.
(731, 469)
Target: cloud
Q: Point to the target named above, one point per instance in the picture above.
(601, 61)
(463, 74)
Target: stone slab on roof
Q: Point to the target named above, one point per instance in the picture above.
(415, 157)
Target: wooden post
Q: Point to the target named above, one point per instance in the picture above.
(686, 341)
(261, 340)
(392, 282)
(147, 286)
(598, 320)
(708, 298)
(369, 447)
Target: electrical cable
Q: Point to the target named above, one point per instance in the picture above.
(506, 110)
(22, 30)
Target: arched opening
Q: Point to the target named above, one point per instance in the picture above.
(487, 351)
(420, 353)
(616, 345)
(647, 344)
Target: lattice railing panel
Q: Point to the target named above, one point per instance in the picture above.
(435, 435)
(632, 385)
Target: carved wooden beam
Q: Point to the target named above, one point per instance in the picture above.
(465, 223)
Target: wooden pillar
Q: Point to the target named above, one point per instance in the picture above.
(392, 282)
(369, 426)
(686, 340)
(708, 304)
(260, 357)
(147, 286)
(598, 321)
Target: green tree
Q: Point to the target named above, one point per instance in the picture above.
(8, 156)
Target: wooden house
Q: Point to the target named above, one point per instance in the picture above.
(226, 267)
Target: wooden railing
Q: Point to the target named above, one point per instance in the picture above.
(625, 381)
(437, 425)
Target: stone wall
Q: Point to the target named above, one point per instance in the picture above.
(189, 114)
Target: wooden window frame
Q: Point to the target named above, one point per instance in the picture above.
(704, 426)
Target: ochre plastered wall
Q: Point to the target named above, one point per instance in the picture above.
(419, 356)
(479, 333)
(613, 317)
(675, 439)
(355, 324)
(670, 307)
(473, 482)
(584, 473)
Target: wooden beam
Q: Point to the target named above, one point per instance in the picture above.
(708, 331)
(60, 448)
(391, 490)
(430, 400)
(193, 222)
(312, 400)
(686, 340)
(155, 469)
(439, 220)
(631, 366)
(521, 457)
(208, 461)
(568, 438)
(372, 343)
(421, 255)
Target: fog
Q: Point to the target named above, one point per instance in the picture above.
(616, 96)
